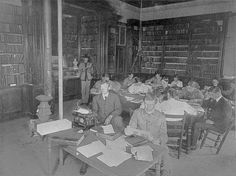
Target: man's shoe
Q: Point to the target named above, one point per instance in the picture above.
(83, 168)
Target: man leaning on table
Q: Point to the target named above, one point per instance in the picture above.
(107, 108)
(218, 118)
(151, 120)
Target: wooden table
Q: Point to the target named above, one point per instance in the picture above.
(129, 167)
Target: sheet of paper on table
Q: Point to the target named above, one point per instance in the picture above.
(53, 126)
(113, 157)
(91, 149)
(143, 153)
(118, 144)
(108, 129)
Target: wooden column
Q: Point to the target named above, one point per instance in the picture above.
(48, 48)
(60, 50)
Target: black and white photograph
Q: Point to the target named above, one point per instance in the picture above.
(117, 87)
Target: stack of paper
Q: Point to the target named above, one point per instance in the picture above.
(91, 149)
(53, 126)
(108, 129)
(143, 153)
(113, 157)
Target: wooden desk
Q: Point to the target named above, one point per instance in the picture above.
(129, 167)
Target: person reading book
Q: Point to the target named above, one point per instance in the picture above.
(151, 120)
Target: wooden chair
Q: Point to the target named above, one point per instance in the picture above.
(217, 137)
(175, 131)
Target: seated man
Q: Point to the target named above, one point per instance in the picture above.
(176, 83)
(107, 108)
(152, 121)
(139, 87)
(128, 81)
(192, 93)
(114, 85)
(155, 81)
(219, 116)
(173, 106)
(230, 92)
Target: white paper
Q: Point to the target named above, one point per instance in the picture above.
(119, 144)
(91, 149)
(143, 153)
(53, 126)
(108, 129)
(113, 157)
(82, 111)
(173, 119)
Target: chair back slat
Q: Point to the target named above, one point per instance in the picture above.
(175, 129)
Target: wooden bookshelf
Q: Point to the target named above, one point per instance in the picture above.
(190, 47)
(12, 63)
(152, 46)
(89, 37)
(207, 36)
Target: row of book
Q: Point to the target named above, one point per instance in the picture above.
(10, 48)
(204, 47)
(206, 41)
(10, 69)
(10, 38)
(177, 54)
(88, 19)
(148, 70)
(11, 58)
(10, 9)
(153, 28)
(175, 66)
(4, 18)
(91, 30)
(151, 43)
(8, 80)
(11, 28)
(214, 54)
(72, 37)
(176, 48)
(151, 64)
(152, 53)
(152, 48)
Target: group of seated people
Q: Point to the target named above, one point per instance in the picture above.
(150, 116)
(107, 108)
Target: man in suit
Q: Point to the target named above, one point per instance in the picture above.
(219, 116)
(107, 108)
(85, 71)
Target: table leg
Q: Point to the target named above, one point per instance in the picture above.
(49, 157)
(61, 156)
(189, 131)
(157, 169)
